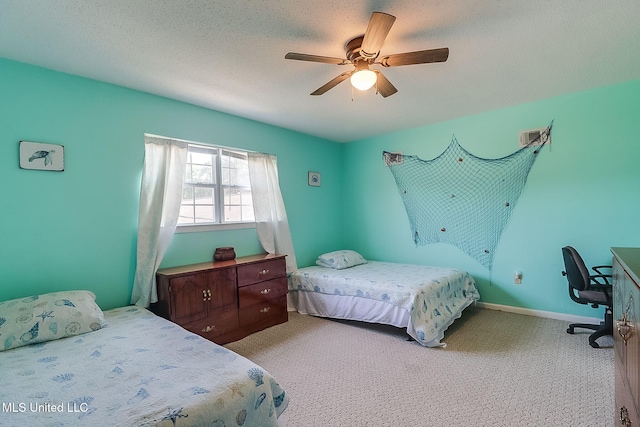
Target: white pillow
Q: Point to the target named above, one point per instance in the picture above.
(340, 259)
(48, 317)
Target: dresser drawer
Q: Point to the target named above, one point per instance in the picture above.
(625, 414)
(258, 312)
(219, 322)
(260, 271)
(262, 292)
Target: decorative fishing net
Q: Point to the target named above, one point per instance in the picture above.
(462, 199)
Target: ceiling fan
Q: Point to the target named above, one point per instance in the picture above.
(363, 51)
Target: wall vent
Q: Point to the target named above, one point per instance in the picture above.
(393, 159)
(534, 137)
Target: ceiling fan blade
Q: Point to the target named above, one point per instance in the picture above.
(384, 86)
(333, 83)
(316, 58)
(418, 57)
(377, 30)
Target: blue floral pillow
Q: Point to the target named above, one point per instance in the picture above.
(340, 259)
(48, 317)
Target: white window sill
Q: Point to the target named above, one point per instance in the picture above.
(198, 228)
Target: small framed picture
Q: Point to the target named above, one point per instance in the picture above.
(40, 156)
(314, 179)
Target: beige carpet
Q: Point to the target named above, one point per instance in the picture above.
(498, 369)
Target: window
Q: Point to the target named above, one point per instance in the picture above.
(216, 187)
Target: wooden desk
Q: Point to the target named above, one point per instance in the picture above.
(626, 335)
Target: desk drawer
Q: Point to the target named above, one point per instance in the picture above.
(261, 271)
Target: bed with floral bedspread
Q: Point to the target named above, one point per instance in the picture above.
(136, 370)
(424, 299)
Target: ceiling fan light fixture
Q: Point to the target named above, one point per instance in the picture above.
(363, 79)
(363, 51)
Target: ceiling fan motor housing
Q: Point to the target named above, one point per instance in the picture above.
(354, 52)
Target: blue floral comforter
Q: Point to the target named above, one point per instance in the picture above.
(434, 296)
(140, 370)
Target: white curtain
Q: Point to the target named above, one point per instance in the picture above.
(160, 195)
(270, 215)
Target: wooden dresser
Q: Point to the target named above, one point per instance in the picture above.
(225, 301)
(626, 312)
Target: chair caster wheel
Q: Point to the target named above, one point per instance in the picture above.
(570, 331)
(594, 344)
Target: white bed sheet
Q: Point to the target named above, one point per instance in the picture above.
(349, 308)
(140, 370)
(432, 297)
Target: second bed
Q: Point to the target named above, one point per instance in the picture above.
(423, 299)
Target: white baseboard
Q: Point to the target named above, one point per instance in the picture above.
(539, 313)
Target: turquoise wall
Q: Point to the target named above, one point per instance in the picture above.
(77, 229)
(582, 191)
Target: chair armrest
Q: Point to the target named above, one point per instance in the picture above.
(598, 267)
(597, 279)
(600, 274)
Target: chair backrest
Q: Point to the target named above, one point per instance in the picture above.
(577, 272)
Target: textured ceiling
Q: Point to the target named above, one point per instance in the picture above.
(229, 55)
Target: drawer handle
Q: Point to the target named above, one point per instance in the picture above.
(208, 294)
(265, 310)
(624, 417)
(263, 272)
(265, 291)
(209, 328)
(624, 329)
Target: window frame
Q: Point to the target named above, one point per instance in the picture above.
(218, 189)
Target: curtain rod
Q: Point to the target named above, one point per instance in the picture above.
(201, 144)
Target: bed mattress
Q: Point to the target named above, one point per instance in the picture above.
(432, 297)
(140, 370)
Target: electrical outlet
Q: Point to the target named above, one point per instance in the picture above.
(517, 278)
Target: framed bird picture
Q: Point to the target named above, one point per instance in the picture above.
(40, 156)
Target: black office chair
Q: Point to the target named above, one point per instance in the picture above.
(585, 288)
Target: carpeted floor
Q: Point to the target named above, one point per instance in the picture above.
(498, 369)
